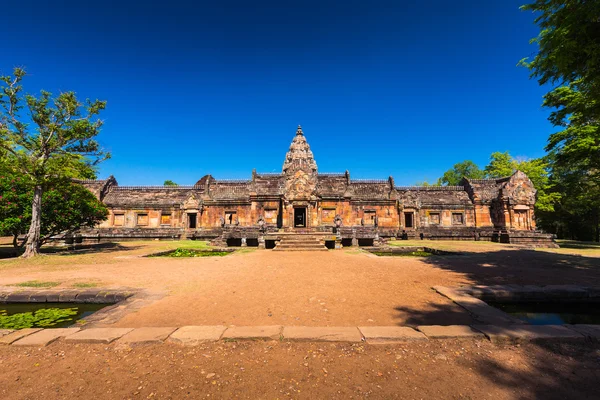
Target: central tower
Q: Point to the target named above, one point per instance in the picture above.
(300, 170)
(300, 174)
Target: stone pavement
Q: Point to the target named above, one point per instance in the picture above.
(194, 335)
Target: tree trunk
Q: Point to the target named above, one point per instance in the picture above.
(32, 247)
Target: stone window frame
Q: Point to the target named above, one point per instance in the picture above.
(372, 213)
(462, 218)
(114, 214)
(165, 213)
(137, 219)
(328, 208)
(234, 217)
(439, 219)
(273, 210)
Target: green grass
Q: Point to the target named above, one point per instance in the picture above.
(181, 252)
(83, 285)
(416, 253)
(38, 284)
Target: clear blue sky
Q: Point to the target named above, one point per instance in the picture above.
(380, 87)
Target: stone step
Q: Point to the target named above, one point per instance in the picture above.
(308, 246)
(301, 249)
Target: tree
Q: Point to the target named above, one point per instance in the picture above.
(569, 58)
(66, 207)
(501, 165)
(465, 169)
(169, 182)
(54, 141)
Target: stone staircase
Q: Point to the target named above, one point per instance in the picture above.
(300, 242)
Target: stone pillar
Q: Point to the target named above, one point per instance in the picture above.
(261, 242)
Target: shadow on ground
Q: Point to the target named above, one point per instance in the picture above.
(10, 252)
(522, 267)
(555, 370)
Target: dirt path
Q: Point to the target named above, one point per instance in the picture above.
(341, 288)
(280, 370)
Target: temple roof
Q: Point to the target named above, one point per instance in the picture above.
(299, 155)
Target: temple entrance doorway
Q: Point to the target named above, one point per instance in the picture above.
(299, 217)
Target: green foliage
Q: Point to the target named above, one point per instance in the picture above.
(66, 207)
(43, 318)
(569, 57)
(180, 252)
(37, 284)
(53, 141)
(465, 169)
(169, 182)
(501, 165)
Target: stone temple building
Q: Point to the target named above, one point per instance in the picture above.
(301, 207)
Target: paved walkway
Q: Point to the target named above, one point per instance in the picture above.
(194, 335)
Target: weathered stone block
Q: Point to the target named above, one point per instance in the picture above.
(45, 337)
(253, 332)
(321, 334)
(98, 335)
(194, 335)
(449, 332)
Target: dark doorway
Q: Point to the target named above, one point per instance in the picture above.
(234, 242)
(192, 221)
(300, 217)
(408, 220)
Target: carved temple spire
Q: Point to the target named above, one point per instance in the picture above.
(299, 156)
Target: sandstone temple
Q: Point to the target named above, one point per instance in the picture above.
(333, 210)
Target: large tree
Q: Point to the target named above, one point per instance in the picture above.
(568, 59)
(49, 140)
(465, 169)
(66, 207)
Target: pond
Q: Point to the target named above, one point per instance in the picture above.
(44, 315)
(552, 313)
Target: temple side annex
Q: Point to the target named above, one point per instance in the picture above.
(345, 211)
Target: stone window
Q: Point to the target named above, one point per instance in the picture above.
(142, 219)
(119, 220)
(165, 219)
(458, 219)
(370, 217)
(230, 217)
(271, 216)
(328, 215)
(434, 218)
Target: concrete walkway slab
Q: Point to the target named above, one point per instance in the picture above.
(16, 335)
(98, 335)
(45, 337)
(521, 333)
(449, 332)
(149, 335)
(193, 335)
(590, 331)
(253, 332)
(322, 334)
(390, 334)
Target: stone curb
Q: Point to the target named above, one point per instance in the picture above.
(390, 334)
(64, 295)
(195, 335)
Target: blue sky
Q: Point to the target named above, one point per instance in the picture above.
(380, 87)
